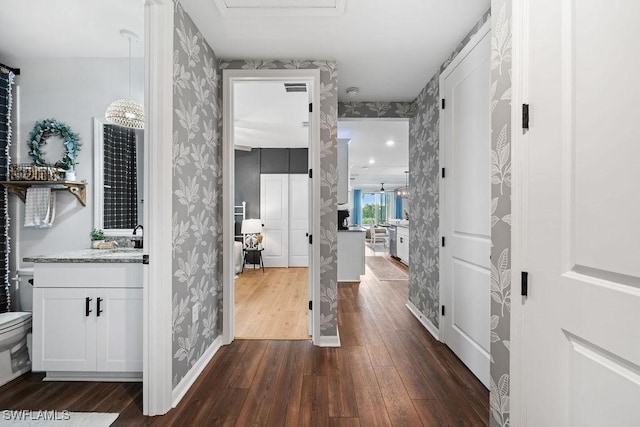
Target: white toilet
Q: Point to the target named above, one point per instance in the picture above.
(15, 332)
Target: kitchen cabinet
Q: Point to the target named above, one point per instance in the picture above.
(402, 236)
(350, 255)
(343, 171)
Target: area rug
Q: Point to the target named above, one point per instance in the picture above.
(28, 418)
(383, 269)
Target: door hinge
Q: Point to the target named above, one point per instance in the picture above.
(145, 259)
(443, 310)
(311, 107)
(443, 172)
(310, 173)
(525, 116)
(311, 239)
(310, 305)
(524, 289)
(443, 103)
(443, 241)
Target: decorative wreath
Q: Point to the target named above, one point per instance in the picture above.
(51, 127)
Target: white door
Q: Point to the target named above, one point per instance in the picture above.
(119, 330)
(298, 220)
(465, 149)
(64, 329)
(274, 212)
(577, 220)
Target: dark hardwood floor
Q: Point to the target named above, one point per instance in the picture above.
(389, 371)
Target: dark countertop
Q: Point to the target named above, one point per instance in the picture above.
(353, 229)
(119, 255)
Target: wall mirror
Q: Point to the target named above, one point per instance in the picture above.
(118, 173)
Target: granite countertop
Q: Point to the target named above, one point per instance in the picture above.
(122, 255)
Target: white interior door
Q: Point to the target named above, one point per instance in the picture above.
(577, 228)
(298, 220)
(466, 265)
(274, 212)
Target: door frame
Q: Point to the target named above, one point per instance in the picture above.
(444, 291)
(229, 77)
(157, 388)
(519, 185)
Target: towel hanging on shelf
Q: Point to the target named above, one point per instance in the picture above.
(40, 207)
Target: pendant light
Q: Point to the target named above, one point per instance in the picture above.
(126, 112)
(382, 188)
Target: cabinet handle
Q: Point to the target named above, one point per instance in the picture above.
(98, 307)
(87, 303)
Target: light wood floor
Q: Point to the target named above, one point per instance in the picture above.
(272, 305)
(388, 371)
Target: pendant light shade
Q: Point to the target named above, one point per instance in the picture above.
(126, 112)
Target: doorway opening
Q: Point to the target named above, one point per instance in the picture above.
(271, 207)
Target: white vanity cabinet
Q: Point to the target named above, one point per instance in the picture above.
(87, 320)
(403, 244)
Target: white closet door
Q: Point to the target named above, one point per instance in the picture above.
(298, 220)
(578, 217)
(466, 143)
(274, 212)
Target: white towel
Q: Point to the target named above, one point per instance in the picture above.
(40, 207)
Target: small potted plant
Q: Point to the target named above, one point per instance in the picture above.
(97, 237)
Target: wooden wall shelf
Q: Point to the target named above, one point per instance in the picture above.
(19, 188)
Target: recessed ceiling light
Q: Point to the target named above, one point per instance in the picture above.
(371, 161)
(390, 142)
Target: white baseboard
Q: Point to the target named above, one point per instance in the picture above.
(424, 320)
(185, 384)
(329, 340)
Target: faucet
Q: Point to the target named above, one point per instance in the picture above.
(137, 242)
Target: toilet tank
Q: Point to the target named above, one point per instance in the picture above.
(25, 289)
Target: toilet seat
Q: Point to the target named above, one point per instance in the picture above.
(11, 320)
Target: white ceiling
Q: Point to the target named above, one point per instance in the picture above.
(369, 141)
(69, 28)
(389, 49)
(265, 116)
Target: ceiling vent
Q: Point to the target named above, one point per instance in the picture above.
(264, 8)
(295, 87)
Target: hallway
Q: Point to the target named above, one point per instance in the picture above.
(389, 371)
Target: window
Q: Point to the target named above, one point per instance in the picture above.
(375, 207)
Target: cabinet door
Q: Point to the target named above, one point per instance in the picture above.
(119, 330)
(403, 247)
(64, 336)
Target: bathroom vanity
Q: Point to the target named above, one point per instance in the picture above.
(87, 315)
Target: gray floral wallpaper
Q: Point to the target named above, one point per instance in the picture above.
(500, 210)
(197, 196)
(328, 176)
(424, 140)
(375, 109)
